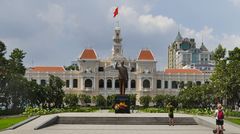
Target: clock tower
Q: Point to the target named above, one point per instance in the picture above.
(117, 47)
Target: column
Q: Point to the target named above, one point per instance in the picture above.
(113, 84)
(38, 81)
(71, 82)
(162, 84)
(152, 84)
(94, 83)
(169, 84)
(129, 84)
(105, 83)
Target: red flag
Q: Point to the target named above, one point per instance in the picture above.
(115, 13)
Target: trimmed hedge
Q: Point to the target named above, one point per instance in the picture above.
(30, 111)
(154, 110)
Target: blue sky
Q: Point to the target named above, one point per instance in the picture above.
(54, 32)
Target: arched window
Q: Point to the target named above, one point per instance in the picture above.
(43, 82)
(198, 83)
(159, 84)
(146, 84)
(67, 83)
(109, 83)
(165, 84)
(101, 83)
(116, 83)
(75, 83)
(88, 83)
(174, 84)
(133, 84)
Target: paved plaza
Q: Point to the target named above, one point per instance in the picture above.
(205, 126)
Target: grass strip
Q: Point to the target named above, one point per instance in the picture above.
(9, 121)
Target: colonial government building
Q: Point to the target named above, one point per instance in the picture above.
(98, 76)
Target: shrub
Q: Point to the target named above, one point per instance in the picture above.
(30, 111)
(71, 100)
(132, 100)
(145, 100)
(100, 101)
(159, 100)
(110, 100)
(154, 110)
(84, 99)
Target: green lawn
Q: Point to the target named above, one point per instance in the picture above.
(234, 120)
(9, 121)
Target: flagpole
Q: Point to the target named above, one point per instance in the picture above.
(116, 14)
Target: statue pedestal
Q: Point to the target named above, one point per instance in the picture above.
(122, 104)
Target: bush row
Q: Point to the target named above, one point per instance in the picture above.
(30, 111)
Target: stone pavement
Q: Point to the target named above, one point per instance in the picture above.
(204, 127)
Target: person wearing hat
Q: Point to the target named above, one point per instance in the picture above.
(219, 114)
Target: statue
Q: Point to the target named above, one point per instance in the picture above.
(123, 77)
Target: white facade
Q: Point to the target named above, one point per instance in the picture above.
(98, 76)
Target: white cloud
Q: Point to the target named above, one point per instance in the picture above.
(206, 34)
(235, 2)
(230, 41)
(147, 23)
(152, 23)
(211, 40)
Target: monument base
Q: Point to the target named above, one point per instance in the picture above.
(122, 104)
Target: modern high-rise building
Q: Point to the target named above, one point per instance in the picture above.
(183, 53)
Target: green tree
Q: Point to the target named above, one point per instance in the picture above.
(4, 101)
(37, 94)
(100, 101)
(159, 100)
(110, 100)
(219, 53)
(71, 100)
(17, 84)
(145, 100)
(171, 98)
(55, 92)
(84, 99)
(15, 64)
(72, 67)
(220, 77)
(133, 98)
(13, 84)
(195, 96)
(232, 93)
